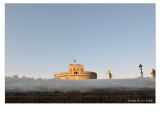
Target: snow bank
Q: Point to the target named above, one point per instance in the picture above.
(54, 85)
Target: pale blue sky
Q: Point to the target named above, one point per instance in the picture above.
(43, 39)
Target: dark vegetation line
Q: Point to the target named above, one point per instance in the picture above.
(78, 97)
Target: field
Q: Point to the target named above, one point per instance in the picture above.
(141, 96)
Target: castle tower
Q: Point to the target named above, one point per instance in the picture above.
(76, 71)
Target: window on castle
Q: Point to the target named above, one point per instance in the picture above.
(75, 72)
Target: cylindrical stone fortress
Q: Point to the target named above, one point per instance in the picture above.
(76, 71)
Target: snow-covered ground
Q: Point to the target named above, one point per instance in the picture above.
(54, 85)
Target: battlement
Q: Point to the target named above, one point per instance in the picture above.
(76, 71)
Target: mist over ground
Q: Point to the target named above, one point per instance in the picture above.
(24, 84)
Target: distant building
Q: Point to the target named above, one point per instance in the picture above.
(15, 76)
(76, 71)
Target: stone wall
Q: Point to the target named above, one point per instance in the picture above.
(85, 75)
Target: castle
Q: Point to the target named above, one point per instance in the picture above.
(76, 71)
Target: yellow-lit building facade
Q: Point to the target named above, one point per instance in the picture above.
(76, 71)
